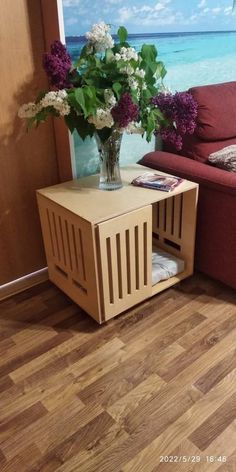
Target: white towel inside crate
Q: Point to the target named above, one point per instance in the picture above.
(164, 265)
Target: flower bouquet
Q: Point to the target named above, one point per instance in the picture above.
(109, 90)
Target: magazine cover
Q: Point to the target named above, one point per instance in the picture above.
(157, 181)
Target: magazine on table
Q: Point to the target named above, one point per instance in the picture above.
(157, 181)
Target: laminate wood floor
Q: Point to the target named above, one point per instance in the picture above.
(152, 390)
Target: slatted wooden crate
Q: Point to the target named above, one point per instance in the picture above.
(99, 244)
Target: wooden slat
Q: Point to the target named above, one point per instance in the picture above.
(155, 217)
(162, 216)
(53, 234)
(80, 254)
(66, 243)
(114, 267)
(123, 252)
(60, 241)
(169, 206)
(132, 257)
(73, 249)
(177, 215)
(141, 253)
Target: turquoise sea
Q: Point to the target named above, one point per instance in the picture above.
(190, 58)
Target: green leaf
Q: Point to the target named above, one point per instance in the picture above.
(104, 133)
(122, 34)
(90, 100)
(70, 122)
(31, 122)
(152, 89)
(117, 87)
(134, 96)
(151, 124)
(158, 115)
(84, 128)
(75, 78)
(90, 92)
(72, 101)
(78, 123)
(160, 70)
(148, 52)
(79, 96)
(42, 115)
(147, 94)
(109, 55)
(85, 51)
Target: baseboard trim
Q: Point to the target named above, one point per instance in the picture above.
(21, 284)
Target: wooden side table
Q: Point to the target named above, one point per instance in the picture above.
(99, 244)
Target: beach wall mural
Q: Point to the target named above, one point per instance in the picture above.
(195, 39)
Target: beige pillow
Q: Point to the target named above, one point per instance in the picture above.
(225, 158)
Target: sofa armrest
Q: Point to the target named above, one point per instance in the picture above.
(189, 169)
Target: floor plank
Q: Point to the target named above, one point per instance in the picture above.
(159, 380)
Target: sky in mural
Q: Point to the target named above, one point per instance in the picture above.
(143, 16)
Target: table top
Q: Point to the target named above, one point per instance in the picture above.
(84, 198)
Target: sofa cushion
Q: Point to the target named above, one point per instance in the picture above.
(199, 150)
(225, 158)
(216, 111)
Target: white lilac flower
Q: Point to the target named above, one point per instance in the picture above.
(102, 119)
(133, 83)
(129, 70)
(57, 100)
(144, 86)
(165, 89)
(64, 109)
(126, 54)
(50, 99)
(62, 93)
(110, 98)
(134, 128)
(100, 37)
(140, 73)
(29, 110)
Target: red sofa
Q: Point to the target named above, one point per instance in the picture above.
(216, 223)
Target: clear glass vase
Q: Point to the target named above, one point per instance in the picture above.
(109, 152)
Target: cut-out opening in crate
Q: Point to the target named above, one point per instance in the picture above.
(173, 221)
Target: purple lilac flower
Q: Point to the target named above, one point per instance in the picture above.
(57, 65)
(58, 49)
(181, 110)
(125, 111)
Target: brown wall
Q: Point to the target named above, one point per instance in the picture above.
(27, 160)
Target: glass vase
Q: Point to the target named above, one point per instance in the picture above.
(109, 153)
